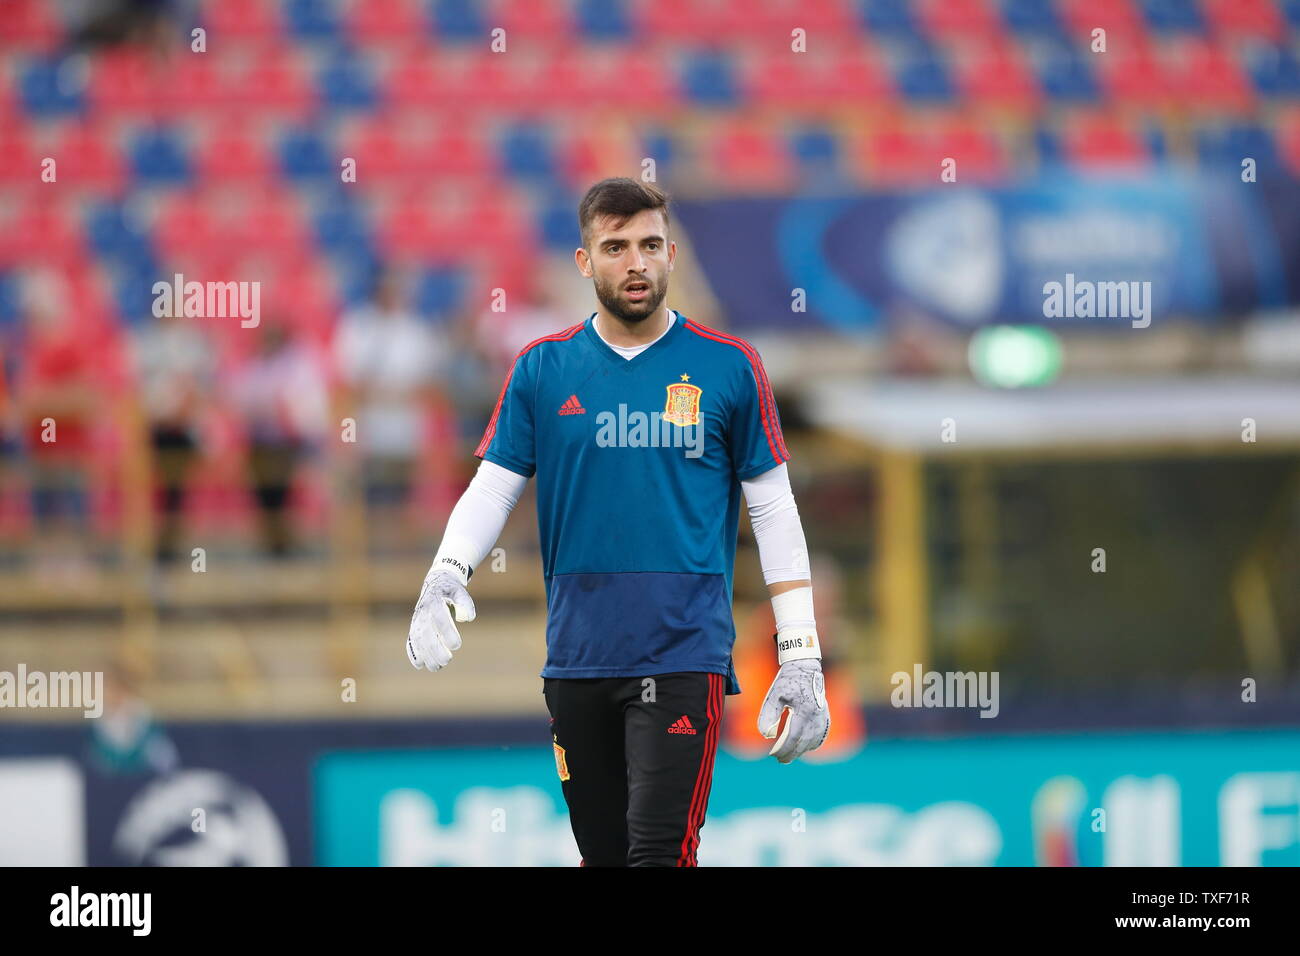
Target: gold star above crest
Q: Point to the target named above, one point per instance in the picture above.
(685, 377)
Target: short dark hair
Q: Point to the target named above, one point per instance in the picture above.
(621, 198)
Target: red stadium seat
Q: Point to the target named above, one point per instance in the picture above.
(187, 226)
(1124, 24)
(242, 19)
(20, 163)
(382, 147)
(124, 81)
(896, 154)
(30, 24)
(1288, 140)
(978, 152)
(856, 75)
(960, 18)
(1205, 75)
(998, 75)
(370, 21)
(275, 81)
(745, 155)
(772, 20)
(458, 149)
(1247, 18)
(42, 229)
(1102, 140)
(418, 229)
(538, 20)
(88, 157)
(1137, 75)
(234, 154)
(426, 76)
(679, 19)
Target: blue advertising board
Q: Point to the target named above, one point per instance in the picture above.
(1167, 799)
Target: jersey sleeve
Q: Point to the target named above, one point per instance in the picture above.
(509, 438)
(756, 442)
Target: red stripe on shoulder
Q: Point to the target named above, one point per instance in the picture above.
(490, 432)
(766, 401)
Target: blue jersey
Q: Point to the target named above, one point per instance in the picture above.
(638, 466)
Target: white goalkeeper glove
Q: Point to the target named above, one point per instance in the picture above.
(433, 636)
(795, 711)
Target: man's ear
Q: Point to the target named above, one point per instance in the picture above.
(583, 261)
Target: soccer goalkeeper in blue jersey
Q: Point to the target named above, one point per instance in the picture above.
(643, 428)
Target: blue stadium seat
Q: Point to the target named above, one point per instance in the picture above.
(10, 301)
(920, 74)
(133, 290)
(346, 84)
(341, 227)
(1227, 146)
(557, 225)
(52, 88)
(892, 18)
(312, 19)
(439, 292)
(158, 157)
(602, 20)
(1168, 16)
(1291, 10)
(1032, 17)
(526, 153)
(707, 79)
(304, 155)
(458, 20)
(113, 235)
(815, 150)
(1066, 75)
(1275, 72)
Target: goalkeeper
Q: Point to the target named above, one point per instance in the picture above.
(643, 429)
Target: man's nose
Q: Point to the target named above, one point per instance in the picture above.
(637, 263)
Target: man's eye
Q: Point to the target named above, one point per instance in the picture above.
(653, 245)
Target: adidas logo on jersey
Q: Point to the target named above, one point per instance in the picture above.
(572, 407)
(682, 726)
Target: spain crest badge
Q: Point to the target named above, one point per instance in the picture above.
(561, 764)
(683, 404)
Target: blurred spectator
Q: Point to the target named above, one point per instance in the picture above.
(174, 369)
(281, 395)
(107, 23)
(389, 362)
(58, 397)
(126, 739)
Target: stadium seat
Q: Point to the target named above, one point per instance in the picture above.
(750, 157)
(526, 153)
(52, 87)
(1228, 145)
(1064, 74)
(1166, 16)
(234, 154)
(602, 20)
(32, 25)
(707, 80)
(340, 226)
(889, 18)
(1032, 17)
(458, 21)
(921, 76)
(998, 76)
(540, 21)
(345, 83)
(1274, 71)
(89, 159)
(816, 152)
(1138, 76)
(21, 165)
(1258, 19)
(305, 154)
(243, 20)
(158, 157)
(311, 19)
(274, 82)
(1204, 75)
(113, 232)
(1102, 140)
(896, 154)
(977, 151)
(439, 292)
(374, 21)
(960, 19)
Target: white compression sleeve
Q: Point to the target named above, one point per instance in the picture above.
(782, 550)
(480, 514)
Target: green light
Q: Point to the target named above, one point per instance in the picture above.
(1015, 356)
